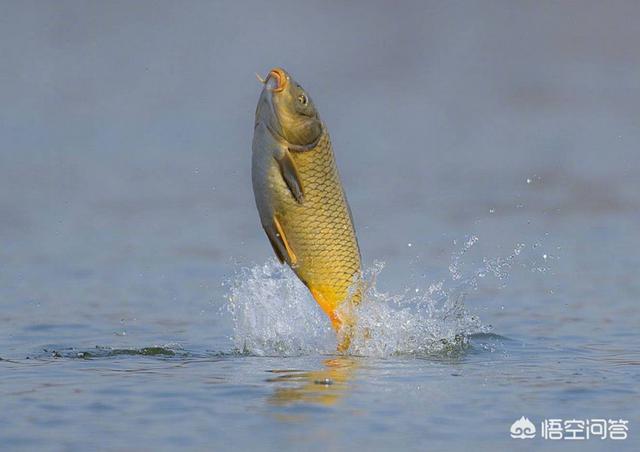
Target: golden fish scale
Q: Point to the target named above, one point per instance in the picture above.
(320, 230)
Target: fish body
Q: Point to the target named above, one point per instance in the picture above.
(302, 205)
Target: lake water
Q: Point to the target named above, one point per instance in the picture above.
(490, 155)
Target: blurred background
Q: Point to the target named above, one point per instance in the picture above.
(125, 131)
(489, 145)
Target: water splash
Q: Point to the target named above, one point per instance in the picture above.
(456, 258)
(430, 322)
(274, 314)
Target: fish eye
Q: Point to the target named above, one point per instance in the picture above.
(303, 99)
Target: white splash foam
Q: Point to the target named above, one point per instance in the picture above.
(416, 322)
(274, 314)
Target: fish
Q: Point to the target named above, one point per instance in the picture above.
(301, 202)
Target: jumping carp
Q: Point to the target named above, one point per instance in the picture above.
(302, 205)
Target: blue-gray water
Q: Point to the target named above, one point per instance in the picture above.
(490, 155)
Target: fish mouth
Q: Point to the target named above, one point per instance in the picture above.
(275, 81)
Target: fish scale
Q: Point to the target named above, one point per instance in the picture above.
(320, 230)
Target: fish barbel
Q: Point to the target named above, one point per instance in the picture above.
(302, 205)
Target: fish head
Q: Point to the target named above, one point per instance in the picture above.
(287, 110)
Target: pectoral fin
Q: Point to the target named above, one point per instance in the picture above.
(290, 174)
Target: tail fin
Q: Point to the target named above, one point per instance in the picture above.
(341, 315)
